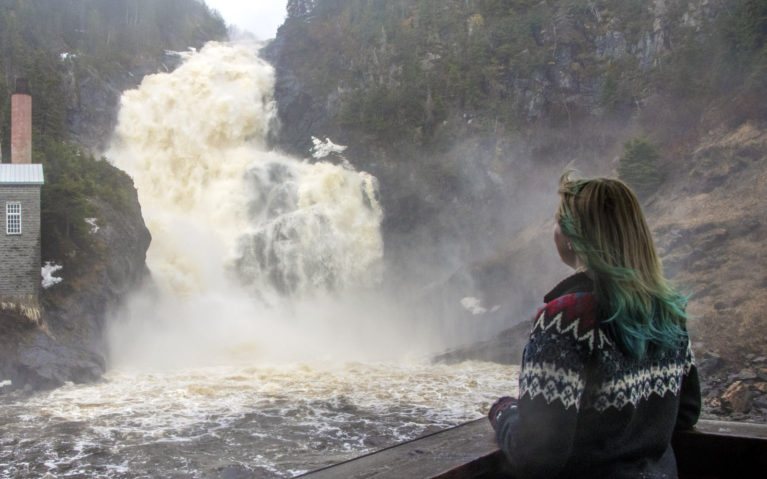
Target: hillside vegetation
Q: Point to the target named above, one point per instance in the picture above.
(400, 69)
(441, 99)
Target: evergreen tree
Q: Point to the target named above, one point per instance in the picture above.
(638, 166)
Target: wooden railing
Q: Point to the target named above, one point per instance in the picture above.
(715, 449)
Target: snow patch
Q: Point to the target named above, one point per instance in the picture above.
(93, 224)
(47, 273)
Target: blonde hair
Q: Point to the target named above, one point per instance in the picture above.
(604, 221)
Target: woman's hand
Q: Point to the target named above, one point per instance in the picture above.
(498, 407)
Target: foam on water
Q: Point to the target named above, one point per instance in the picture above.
(282, 418)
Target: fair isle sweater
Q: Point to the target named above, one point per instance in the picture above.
(585, 409)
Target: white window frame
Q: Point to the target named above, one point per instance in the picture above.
(13, 218)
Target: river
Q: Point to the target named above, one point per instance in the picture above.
(259, 421)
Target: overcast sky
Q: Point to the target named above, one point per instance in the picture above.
(260, 17)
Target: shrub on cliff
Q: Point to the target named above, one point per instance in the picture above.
(72, 179)
(638, 166)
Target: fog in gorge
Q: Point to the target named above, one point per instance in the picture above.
(255, 256)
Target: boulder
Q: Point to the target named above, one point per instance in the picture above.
(738, 397)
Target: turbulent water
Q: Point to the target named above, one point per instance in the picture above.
(263, 347)
(260, 421)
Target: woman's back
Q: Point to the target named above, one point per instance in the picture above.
(607, 373)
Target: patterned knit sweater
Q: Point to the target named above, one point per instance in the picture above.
(587, 410)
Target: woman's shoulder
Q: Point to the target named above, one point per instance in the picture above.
(573, 316)
(568, 309)
(579, 282)
(570, 304)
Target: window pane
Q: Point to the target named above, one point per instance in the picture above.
(13, 218)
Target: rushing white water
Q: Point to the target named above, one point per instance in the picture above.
(263, 348)
(247, 421)
(256, 254)
(211, 193)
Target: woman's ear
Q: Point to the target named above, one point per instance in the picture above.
(564, 247)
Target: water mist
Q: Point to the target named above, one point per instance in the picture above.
(254, 255)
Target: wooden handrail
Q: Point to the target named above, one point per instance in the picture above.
(714, 449)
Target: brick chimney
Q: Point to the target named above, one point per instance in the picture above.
(21, 123)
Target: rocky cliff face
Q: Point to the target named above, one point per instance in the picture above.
(69, 343)
(711, 228)
(468, 111)
(93, 97)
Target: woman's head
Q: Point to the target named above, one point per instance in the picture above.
(604, 224)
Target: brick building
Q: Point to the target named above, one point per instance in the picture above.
(20, 185)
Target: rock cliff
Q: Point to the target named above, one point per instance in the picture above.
(468, 111)
(69, 343)
(93, 96)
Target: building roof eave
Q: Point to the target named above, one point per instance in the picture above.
(21, 174)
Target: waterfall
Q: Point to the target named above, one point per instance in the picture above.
(312, 226)
(216, 200)
(243, 239)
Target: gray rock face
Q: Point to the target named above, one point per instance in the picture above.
(505, 348)
(612, 44)
(93, 97)
(69, 346)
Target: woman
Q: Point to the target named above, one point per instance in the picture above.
(607, 373)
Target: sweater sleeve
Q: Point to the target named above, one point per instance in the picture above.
(689, 400)
(537, 434)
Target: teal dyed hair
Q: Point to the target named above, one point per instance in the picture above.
(604, 222)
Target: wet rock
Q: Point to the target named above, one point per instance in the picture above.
(48, 362)
(745, 375)
(738, 398)
(710, 364)
(505, 348)
(760, 402)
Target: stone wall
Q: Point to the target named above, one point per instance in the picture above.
(20, 254)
